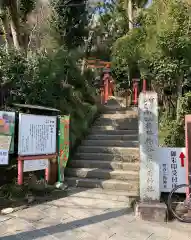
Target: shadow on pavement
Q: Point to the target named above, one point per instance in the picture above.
(60, 228)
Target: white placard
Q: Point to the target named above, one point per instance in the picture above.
(37, 135)
(4, 157)
(171, 171)
(35, 165)
(148, 142)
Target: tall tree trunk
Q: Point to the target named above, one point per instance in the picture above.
(15, 25)
(6, 31)
(88, 43)
(179, 95)
(129, 12)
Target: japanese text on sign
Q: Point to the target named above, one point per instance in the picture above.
(165, 175)
(35, 165)
(37, 134)
(174, 168)
(171, 171)
(148, 133)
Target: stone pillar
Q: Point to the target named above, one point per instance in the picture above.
(149, 207)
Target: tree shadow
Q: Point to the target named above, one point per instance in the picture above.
(61, 228)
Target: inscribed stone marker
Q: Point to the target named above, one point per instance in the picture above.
(148, 138)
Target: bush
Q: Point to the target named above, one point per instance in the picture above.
(51, 80)
(174, 131)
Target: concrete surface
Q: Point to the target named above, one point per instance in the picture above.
(86, 215)
(151, 211)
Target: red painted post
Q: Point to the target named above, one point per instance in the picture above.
(110, 88)
(102, 95)
(20, 172)
(144, 85)
(47, 174)
(106, 89)
(135, 90)
(188, 151)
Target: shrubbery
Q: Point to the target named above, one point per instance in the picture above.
(51, 80)
(174, 130)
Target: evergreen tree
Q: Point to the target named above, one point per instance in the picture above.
(70, 21)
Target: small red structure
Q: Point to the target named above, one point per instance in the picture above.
(188, 150)
(135, 91)
(144, 85)
(108, 83)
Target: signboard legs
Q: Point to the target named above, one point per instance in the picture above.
(21, 160)
(149, 166)
(20, 171)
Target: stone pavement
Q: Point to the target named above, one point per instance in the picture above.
(86, 215)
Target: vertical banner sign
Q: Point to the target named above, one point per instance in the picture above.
(64, 140)
(148, 138)
(7, 128)
(63, 143)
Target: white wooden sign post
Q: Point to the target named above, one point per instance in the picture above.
(148, 140)
(172, 169)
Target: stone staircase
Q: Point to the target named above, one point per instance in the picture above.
(109, 157)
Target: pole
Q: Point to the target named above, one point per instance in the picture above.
(144, 85)
(59, 170)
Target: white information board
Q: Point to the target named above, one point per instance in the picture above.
(148, 143)
(35, 165)
(37, 135)
(172, 173)
(4, 157)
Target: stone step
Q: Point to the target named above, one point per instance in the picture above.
(100, 183)
(88, 202)
(110, 143)
(103, 174)
(113, 150)
(111, 121)
(122, 126)
(104, 165)
(122, 115)
(98, 195)
(119, 157)
(121, 111)
(132, 137)
(98, 130)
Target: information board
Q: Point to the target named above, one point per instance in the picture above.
(4, 157)
(7, 130)
(172, 168)
(35, 165)
(148, 141)
(37, 135)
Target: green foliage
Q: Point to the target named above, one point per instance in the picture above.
(126, 52)
(49, 80)
(26, 7)
(162, 46)
(174, 132)
(112, 23)
(69, 21)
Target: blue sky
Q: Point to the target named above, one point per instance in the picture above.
(149, 3)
